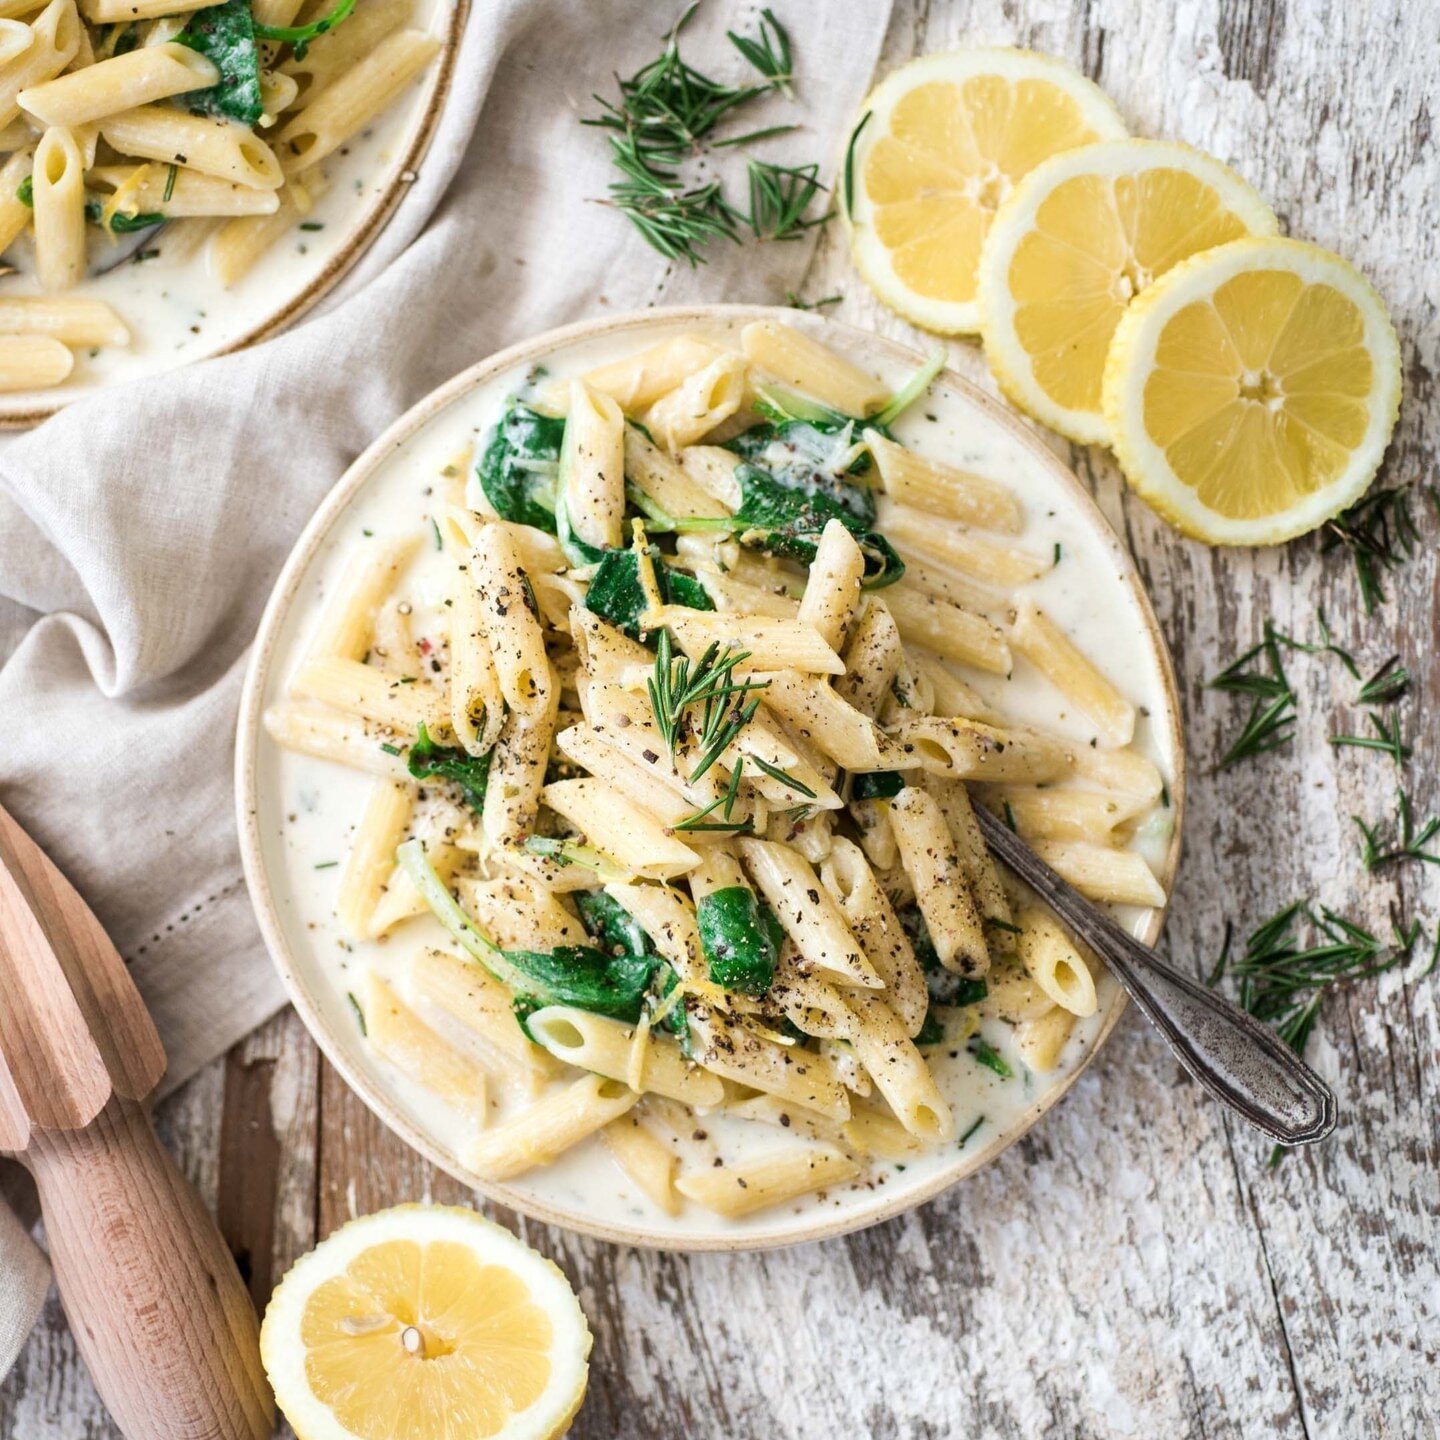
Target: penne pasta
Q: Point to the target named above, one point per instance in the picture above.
(609, 1047)
(699, 404)
(371, 860)
(737, 1190)
(928, 853)
(58, 186)
(32, 362)
(71, 319)
(122, 82)
(222, 148)
(644, 1159)
(547, 1129)
(1051, 651)
(803, 364)
(353, 99)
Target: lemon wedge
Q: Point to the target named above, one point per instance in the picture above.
(1250, 393)
(425, 1323)
(938, 146)
(1074, 243)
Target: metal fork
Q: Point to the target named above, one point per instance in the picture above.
(1241, 1062)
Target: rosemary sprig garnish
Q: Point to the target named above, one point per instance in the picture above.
(779, 197)
(1284, 983)
(1386, 685)
(676, 687)
(1387, 738)
(796, 303)
(1380, 532)
(784, 777)
(1411, 843)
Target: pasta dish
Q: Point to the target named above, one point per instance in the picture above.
(138, 130)
(665, 703)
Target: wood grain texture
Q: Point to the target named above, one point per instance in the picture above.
(1131, 1268)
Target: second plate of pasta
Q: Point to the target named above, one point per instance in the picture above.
(608, 763)
(180, 178)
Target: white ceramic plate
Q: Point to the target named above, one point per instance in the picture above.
(178, 315)
(275, 788)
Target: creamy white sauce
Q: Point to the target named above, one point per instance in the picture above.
(307, 809)
(175, 310)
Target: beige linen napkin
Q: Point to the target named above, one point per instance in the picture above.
(140, 532)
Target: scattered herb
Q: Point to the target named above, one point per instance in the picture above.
(796, 303)
(359, 1014)
(1409, 845)
(1387, 738)
(667, 112)
(676, 687)
(850, 163)
(779, 197)
(1284, 983)
(964, 1139)
(327, 864)
(784, 777)
(1380, 533)
(1386, 685)
(990, 1057)
(25, 191)
(770, 54)
(170, 184)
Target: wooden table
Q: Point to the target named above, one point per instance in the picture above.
(1132, 1267)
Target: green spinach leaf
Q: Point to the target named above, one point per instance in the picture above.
(520, 465)
(225, 35)
(739, 945)
(428, 760)
(616, 595)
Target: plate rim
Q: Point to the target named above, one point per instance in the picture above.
(249, 729)
(368, 229)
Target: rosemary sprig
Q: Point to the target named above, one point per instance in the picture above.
(1410, 844)
(1271, 722)
(1284, 983)
(784, 777)
(677, 688)
(667, 113)
(1272, 718)
(779, 197)
(1386, 685)
(1380, 533)
(1387, 738)
(674, 220)
(770, 54)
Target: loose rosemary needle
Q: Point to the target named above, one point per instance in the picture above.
(1409, 845)
(1284, 983)
(1380, 533)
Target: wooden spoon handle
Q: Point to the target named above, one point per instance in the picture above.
(159, 1311)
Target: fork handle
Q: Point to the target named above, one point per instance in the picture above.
(1241, 1062)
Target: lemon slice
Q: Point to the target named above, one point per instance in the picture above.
(937, 148)
(1076, 240)
(1251, 392)
(425, 1323)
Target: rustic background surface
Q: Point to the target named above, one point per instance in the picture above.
(1131, 1267)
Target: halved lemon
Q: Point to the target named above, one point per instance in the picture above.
(937, 147)
(425, 1323)
(1251, 392)
(1074, 243)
